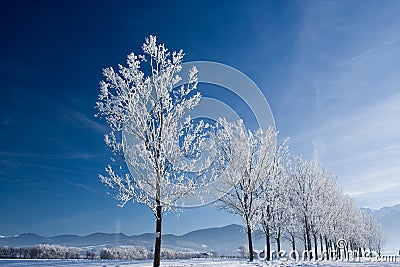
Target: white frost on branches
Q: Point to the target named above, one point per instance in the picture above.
(150, 129)
(245, 155)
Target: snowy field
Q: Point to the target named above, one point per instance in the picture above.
(180, 263)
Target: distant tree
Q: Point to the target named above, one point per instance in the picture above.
(5, 253)
(243, 251)
(90, 255)
(106, 254)
(372, 233)
(157, 142)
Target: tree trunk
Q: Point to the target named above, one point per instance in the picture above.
(157, 248)
(322, 246)
(278, 241)
(268, 243)
(315, 247)
(308, 239)
(294, 246)
(327, 248)
(251, 257)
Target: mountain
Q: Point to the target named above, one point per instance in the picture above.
(27, 239)
(223, 240)
(389, 217)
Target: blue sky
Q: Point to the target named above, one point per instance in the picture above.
(329, 70)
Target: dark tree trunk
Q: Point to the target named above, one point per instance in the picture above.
(321, 246)
(308, 239)
(315, 247)
(251, 257)
(307, 228)
(305, 240)
(268, 243)
(294, 246)
(327, 248)
(278, 241)
(157, 248)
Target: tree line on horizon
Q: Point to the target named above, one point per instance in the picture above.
(45, 251)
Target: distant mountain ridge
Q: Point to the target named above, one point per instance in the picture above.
(383, 211)
(224, 240)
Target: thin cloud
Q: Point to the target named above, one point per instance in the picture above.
(76, 155)
(81, 186)
(90, 123)
(80, 119)
(369, 51)
(376, 189)
(384, 196)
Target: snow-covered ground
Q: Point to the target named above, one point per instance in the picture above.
(182, 263)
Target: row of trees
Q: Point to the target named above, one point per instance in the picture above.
(288, 197)
(141, 253)
(147, 111)
(44, 252)
(115, 253)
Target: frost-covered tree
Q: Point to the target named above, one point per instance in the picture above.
(328, 213)
(325, 195)
(274, 194)
(151, 132)
(245, 155)
(376, 237)
(309, 179)
(243, 251)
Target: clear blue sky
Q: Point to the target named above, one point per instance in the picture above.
(329, 69)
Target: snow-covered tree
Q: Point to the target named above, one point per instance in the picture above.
(244, 156)
(309, 183)
(243, 251)
(151, 132)
(372, 234)
(328, 213)
(274, 194)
